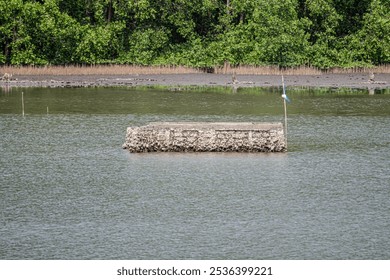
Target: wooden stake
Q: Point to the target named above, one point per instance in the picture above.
(22, 105)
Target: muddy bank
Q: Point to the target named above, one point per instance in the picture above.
(380, 81)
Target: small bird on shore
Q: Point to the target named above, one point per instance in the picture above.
(6, 77)
(234, 79)
(371, 77)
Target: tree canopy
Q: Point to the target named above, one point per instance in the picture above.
(197, 33)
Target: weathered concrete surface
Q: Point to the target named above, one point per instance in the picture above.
(206, 137)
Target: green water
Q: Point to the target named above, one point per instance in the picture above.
(68, 190)
(198, 102)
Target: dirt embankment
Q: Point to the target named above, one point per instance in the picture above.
(356, 80)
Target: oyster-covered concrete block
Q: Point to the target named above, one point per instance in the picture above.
(206, 137)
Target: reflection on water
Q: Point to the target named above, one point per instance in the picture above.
(68, 190)
(219, 101)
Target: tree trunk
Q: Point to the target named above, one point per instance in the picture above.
(110, 11)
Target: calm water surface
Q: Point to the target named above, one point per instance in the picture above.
(68, 190)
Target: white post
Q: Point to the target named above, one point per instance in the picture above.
(285, 121)
(285, 112)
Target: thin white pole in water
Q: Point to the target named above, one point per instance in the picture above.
(47, 110)
(22, 105)
(285, 110)
(285, 120)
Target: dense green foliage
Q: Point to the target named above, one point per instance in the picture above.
(198, 33)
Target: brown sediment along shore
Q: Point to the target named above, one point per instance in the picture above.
(352, 80)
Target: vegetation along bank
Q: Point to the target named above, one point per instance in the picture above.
(196, 33)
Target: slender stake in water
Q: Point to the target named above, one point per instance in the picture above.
(285, 112)
(285, 121)
(22, 105)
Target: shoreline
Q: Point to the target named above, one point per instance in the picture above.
(352, 80)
